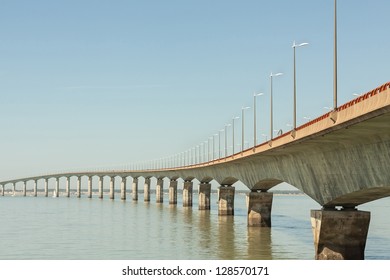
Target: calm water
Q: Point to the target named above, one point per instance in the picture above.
(71, 228)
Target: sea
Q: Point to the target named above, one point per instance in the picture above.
(49, 228)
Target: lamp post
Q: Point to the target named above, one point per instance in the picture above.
(213, 157)
(205, 151)
(219, 140)
(271, 97)
(226, 126)
(254, 119)
(335, 58)
(235, 118)
(242, 126)
(201, 154)
(294, 46)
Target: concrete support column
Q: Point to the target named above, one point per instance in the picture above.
(147, 190)
(172, 191)
(100, 187)
(134, 189)
(112, 188)
(46, 187)
(123, 188)
(57, 187)
(259, 209)
(160, 191)
(226, 200)
(187, 194)
(204, 196)
(89, 193)
(35, 187)
(78, 186)
(340, 234)
(14, 188)
(2, 190)
(24, 188)
(67, 186)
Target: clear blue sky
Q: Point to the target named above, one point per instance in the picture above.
(106, 83)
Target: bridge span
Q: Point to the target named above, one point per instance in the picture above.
(340, 159)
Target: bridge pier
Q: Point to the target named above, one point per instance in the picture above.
(46, 187)
(2, 190)
(340, 234)
(259, 209)
(24, 188)
(147, 190)
(57, 187)
(204, 196)
(100, 187)
(78, 186)
(160, 191)
(67, 186)
(123, 188)
(112, 187)
(134, 189)
(35, 191)
(89, 193)
(172, 191)
(187, 193)
(226, 200)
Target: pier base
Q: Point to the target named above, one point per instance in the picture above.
(100, 187)
(134, 189)
(24, 188)
(259, 209)
(67, 186)
(35, 192)
(89, 194)
(187, 194)
(46, 187)
(226, 200)
(112, 188)
(147, 190)
(78, 186)
(204, 196)
(123, 188)
(57, 187)
(172, 191)
(160, 191)
(340, 234)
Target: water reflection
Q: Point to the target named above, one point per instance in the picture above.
(205, 237)
(104, 229)
(226, 238)
(259, 243)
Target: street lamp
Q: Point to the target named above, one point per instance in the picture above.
(242, 126)
(206, 159)
(335, 58)
(226, 126)
(219, 140)
(235, 118)
(201, 154)
(272, 121)
(294, 46)
(214, 146)
(254, 119)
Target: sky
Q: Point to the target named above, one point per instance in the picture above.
(103, 84)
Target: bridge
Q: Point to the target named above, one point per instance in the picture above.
(339, 159)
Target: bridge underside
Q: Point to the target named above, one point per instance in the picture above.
(346, 165)
(349, 166)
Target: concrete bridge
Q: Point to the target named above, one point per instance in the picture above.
(340, 159)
